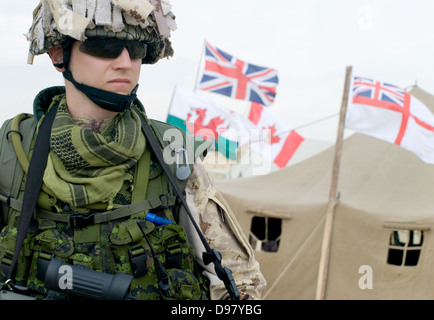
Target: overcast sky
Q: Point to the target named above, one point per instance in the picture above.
(309, 42)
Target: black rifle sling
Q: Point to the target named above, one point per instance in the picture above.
(211, 255)
(33, 183)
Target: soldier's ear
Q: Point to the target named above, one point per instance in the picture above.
(56, 56)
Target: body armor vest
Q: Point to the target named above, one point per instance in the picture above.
(140, 236)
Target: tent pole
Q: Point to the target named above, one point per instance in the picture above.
(199, 67)
(328, 227)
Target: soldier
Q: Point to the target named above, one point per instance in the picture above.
(100, 197)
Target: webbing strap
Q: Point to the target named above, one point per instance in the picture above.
(101, 217)
(224, 274)
(16, 141)
(10, 202)
(33, 183)
(142, 177)
(18, 146)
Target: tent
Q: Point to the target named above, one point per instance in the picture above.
(382, 242)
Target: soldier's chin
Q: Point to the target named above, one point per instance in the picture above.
(120, 87)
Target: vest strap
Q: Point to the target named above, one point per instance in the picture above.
(10, 202)
(81, 220)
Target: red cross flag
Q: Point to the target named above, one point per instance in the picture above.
(389, 113)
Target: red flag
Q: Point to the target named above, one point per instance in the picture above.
(283, 140)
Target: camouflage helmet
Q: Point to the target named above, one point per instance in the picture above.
(149, 21)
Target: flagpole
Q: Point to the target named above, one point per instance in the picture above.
(171, 102)
(328, 227)
(198, 67)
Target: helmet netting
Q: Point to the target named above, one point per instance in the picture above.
(55, 20)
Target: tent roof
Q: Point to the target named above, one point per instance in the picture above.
(375, 176)
(382, 188)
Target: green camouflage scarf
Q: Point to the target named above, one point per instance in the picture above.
(85, 167)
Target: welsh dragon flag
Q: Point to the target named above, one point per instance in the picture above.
(200, 116)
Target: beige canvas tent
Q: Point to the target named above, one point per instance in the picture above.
(382, 242)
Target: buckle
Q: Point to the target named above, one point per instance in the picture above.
(211, 256)
(78, 220)
(174, 256)
(5, 265)
(138, 259)
(167, 205)
(4, 197)
(43, 261)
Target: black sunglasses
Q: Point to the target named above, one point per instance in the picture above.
(112, 48)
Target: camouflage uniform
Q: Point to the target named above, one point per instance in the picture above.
(106, 246)
(223, 233)
(56, 21)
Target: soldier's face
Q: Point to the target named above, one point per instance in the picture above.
(119, 75)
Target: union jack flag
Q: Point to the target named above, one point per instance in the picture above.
(378, 94)
(232, 77)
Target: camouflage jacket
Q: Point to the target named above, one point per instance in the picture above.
(211, 212)
(223, 232)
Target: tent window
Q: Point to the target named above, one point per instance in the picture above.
(265, 233)
(405, 247)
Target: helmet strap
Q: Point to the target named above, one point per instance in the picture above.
(107, 100)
